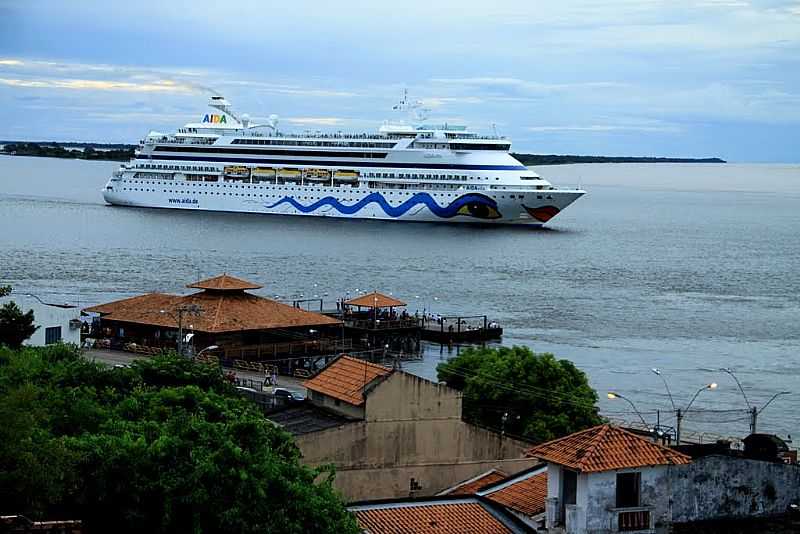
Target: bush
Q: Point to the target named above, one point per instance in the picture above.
(163, 446)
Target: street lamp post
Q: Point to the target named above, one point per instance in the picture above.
(756, 412)
(729, 371)
(679, 414)
(613, 395)
(671, 400)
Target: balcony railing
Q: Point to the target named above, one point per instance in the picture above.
(633, 519)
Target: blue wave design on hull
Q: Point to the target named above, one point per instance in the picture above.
(446, 212)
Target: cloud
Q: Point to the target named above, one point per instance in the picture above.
(158, 86)
(604, 128)
(10, 62)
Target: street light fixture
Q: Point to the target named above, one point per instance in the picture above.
(210, 347)
(614, 395)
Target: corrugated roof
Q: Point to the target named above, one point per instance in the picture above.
(345, 379)
(606, 447)
(375, 300)
(307, 418)
(525, 493)
(224, 282)
(221, 312)
(472, 485)
(460, 516)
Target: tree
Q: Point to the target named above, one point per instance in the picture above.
(163, 446)
(5, 291)
(15, 326)
(523, 393)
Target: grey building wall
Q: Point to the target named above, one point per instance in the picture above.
(725, 487)
(412, 429)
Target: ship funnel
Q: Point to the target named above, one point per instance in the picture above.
(219, 102)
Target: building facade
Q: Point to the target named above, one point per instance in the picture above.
(401, 435)
(56, 323)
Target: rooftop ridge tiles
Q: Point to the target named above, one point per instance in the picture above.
(649, 453)
(595, 443)
(510, 480)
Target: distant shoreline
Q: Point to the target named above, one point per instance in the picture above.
(553, 159)
(123, 152)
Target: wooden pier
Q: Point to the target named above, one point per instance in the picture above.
(460, 329)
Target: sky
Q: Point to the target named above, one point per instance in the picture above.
(709, 78)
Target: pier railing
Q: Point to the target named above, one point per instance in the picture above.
(271, 350)
(381, 324)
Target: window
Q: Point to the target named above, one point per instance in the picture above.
(569, 488)
(52, 334)
(628, 485)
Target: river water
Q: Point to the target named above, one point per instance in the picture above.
(688, 268)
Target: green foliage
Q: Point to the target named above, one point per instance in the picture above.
(163, 446)
(15, 326)
(541, 397)
(5, 291)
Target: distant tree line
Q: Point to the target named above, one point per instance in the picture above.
(553, 159)
(58, 150)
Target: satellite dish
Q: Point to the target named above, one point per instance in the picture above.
(245, 119)
(273, 121)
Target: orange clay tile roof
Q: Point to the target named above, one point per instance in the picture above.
(224, 282)
(525, 495)
(603, 448)
(375, 300)
(471, 485)
(465, 516)
(221, 312)
(345, 379)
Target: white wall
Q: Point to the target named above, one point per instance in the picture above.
(48, 316)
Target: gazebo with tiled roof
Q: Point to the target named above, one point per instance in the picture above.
(375, 300)
(222, 313)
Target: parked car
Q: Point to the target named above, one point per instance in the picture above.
(287, 396)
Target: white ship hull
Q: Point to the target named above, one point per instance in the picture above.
(509, 207)
(401, 173)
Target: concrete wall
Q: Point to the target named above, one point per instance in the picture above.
(46, 316)
(413, 429)
(335, 405)
(406, 396)
(725, 487)
(600, 497)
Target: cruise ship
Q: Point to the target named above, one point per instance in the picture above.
(406, 171)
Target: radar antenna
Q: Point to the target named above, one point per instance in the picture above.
(416, 109)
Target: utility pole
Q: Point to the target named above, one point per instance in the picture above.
(753, 419)
(679, 418)
(183, 309)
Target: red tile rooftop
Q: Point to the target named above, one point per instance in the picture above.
(526, 494)
(468, 516)
(472, 485)
(224, 282)
(225, 308)
(603, 448)
(375, 300)
(345, 379)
